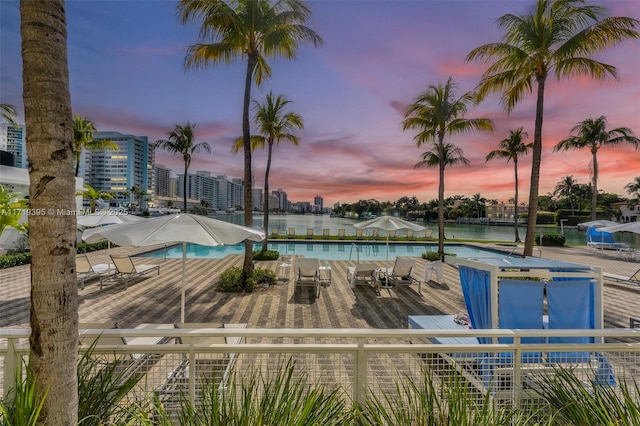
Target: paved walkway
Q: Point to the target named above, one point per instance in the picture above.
(156, 299)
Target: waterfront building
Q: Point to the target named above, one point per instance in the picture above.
(163, 181)
(202, 189)
(503, 212)
(12, 142)
(118, 171)
(257, 198)
(318, 201)
(628, 212)
(283, 200)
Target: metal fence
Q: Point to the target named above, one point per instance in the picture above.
(363, 362)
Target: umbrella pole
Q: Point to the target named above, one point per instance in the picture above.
(184, 277)
(109, 260)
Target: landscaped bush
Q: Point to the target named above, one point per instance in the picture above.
(14, 259)
(432, 256)
(266, 255)
(264, 277)
(231, 280)
(551, 240)
(87, 248)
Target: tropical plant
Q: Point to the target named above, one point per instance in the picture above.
(12, 205)
(567, 188)
(9, 113)
(136, 194)
(512, 148)
(258, 29)
(633, 188)
(49, 129)
(22, 404)
(83, 130)
(93, 195)
(592, 134)
(559, 38)
(437, 113)
(274, 125)
(182, 141)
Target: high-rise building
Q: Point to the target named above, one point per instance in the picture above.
(257, 198)
(12, 140)
(201, 187)
(283, 201)
(163, 179)
(318, 202)
(118, 171)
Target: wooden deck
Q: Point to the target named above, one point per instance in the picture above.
(156, 299)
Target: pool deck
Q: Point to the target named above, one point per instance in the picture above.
(156, 299)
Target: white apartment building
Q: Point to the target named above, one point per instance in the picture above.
(12, 142)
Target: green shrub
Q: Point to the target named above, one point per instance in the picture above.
(14, 259)
(432, 256)
(551, 240)
(264, 277)
(266, 255)
(87, 248)
(231, 280)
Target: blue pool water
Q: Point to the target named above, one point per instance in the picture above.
(329, 251)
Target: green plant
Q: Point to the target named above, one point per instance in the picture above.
(231, 280)
(266, 255)
(14, 259)
(23, 403)
(86, 247)
(432, 256)
(551, 240)
(264, 277)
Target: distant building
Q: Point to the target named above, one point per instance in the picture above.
(318, 201)
(202, 189)
(257, 198)
(283, 200)
(503, 212)
(628, 213)
(163, 181)
(12, 141)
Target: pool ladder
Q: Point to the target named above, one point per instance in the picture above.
(357, 252)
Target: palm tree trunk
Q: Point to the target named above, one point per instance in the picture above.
(77, 166)
(441, 199)
(594, 185)
(534, 187)
(247, 267)
(515, 204)
(265, 204)
(52, 236)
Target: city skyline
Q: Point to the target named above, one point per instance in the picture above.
(126, 74)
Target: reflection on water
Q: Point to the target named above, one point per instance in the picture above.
(462, 231)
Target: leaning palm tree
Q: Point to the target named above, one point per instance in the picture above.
(437, 113)
(511, 148)
(258, 29)
(83, 130)
(559, 38)
(182, 141)
(274, 125)
(592, 134)
(9, 113)
(633, 188)
(442, 155)
(567, 187)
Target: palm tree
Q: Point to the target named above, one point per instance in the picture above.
(478, 202)
(93, 195)
(592, 134)
(442, 155)
(258, 29)
(182, 141)
(83, 130)
(557, 39)
(511, 148)
(437, 113)
(49, 132)
(567, 188)
(633, 188)
(9, 113)
(275, 125)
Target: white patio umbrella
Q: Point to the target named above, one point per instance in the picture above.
(106, 218)
(622, 227)
(597, 223)
(179, 228)
(388, 223)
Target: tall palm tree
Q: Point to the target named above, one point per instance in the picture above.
(182, 141)
(633, 188)
(559, 38)
(567, 187)
(592, 134)
(93, 196)
(258, 29)
(9, 113)
(274, 125)
(83, 130)
(437, 113)
(511, 148)
(49, 132)
(442, 155)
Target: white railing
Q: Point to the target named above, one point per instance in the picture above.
(359, 360)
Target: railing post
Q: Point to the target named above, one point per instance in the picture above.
(192, 373)
(360, 373)
(517, 370)
(10, 368)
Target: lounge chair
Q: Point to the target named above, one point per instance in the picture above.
(358, 233)
(126, 270)
(409, 233)
(291, 232)
(633, 279)
(362, 274)
(275, 232)
(603, 240)
(341, 232)
(325, 232)
(392, 234)
(86, 271)
(428, 233)
(309, 232)
(401, 272)
(308, 273)
(375, 233)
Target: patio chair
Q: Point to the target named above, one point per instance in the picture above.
(325, 232)
(602, 240)
(632, 279)
(275, 232)
(291, 232)
(362, 274)
(392, 234)
(409, 233)
(309, 232)
(308, 273)
(358, 233)
(428, 233)
(341, 232)
(86, 271)
(401, 272)
(126, 270)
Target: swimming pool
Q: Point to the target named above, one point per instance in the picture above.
(329, 251)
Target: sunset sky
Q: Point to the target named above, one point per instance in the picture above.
(126, 74)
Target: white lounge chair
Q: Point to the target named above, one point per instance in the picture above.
(362, 274)
(401, 272)
(127, 270)
(633, 279)
(310, 232)
(308, 273)
(291, 232)
(341, 232)
(325, 232)
(86, 271)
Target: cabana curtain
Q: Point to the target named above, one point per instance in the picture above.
(477, 297)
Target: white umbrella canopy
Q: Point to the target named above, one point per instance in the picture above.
(106, 218)
(597, 223)
(388, 223)
(622, 227)
(179, 228)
